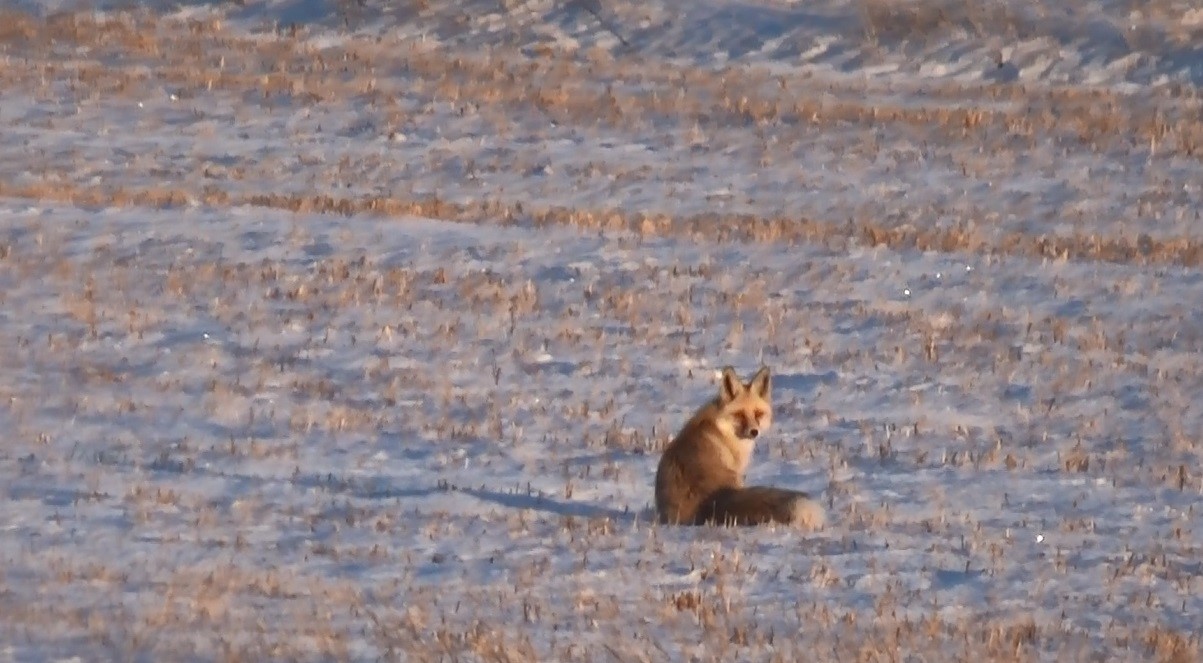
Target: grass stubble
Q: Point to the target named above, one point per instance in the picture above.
(229, 590)
(990, 124)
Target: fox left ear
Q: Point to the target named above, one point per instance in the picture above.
(761, 384)
(730, 386)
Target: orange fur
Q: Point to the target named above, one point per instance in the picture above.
(700, 476)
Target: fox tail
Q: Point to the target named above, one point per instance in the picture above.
(755, 505)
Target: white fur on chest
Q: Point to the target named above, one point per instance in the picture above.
(736, 453)
(743, 455)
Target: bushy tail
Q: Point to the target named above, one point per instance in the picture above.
(757, 505)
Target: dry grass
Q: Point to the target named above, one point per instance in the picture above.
(930, 21)
(785, 111)
(306, 565)
(204, 55)
(934, 20)
(251, 596)
(969, 238)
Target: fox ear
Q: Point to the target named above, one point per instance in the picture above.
(730, 387)
(762, 383)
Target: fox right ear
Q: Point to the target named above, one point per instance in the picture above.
(730, 386)
(762, 383)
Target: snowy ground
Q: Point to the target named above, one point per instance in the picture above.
(359, 337)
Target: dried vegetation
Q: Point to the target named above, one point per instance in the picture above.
(331, 577)
(981, 129)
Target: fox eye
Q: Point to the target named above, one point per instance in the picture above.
(759, 414)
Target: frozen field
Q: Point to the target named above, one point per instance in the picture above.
(353, 330)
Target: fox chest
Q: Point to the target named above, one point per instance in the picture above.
(737, 454)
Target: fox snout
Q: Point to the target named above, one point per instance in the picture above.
(746, 428)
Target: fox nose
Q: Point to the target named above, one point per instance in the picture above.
(752, 433)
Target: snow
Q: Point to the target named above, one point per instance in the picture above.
(374, 359)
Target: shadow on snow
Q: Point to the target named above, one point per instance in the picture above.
(537, 502)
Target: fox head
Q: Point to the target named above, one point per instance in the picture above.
(745, 410)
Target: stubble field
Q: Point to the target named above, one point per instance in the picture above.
(352, 331)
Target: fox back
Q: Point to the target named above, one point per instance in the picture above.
(700, 477)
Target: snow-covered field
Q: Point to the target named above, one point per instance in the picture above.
(353, 330)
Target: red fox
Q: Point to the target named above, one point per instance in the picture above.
(700, 478)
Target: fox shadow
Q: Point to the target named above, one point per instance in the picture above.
(545, 504)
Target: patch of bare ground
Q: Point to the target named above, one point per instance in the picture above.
(933, 20)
